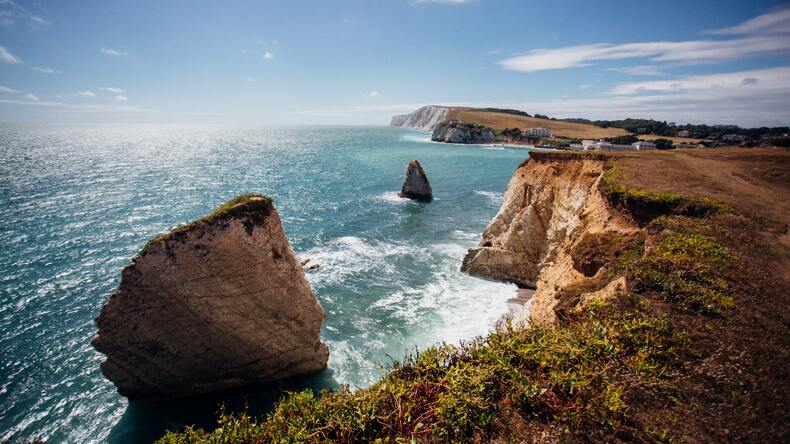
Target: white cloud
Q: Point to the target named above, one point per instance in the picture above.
(36, 20)
(640, 70)
(47, 70)
(373, 94)
(6, 89)
(268, 55)
(113, 52)
(7, 57)
(266, 42)
(750, 82)
(777, 21)
(11, 12)
(29, 96)
(251, 80)
(111, 89)
(86, 94)
(120, 98)
(584, 86)
(79, 107)
(693, 51)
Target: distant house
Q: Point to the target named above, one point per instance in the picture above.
(683, 133)
(733, 138)
(537, 132)
(606, 146)
(643, 145)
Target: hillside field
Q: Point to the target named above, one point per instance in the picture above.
(558, 128)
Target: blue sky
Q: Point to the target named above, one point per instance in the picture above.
(359, 62)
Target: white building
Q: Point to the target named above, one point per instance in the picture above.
(683, 133)
(537, 132)
(642, 145)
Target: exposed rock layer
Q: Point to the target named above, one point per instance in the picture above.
(551, 205)
(415, 184)
(216, 304)
(423, 119)
(459, 132)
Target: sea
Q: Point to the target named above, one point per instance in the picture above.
(77, 203)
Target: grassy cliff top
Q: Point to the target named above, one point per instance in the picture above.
(499, 120)
(254, 208)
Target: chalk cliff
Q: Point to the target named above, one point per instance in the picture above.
(423, 119)
(552, 209)
(459, 132)
(218, 303)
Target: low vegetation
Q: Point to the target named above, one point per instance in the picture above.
(646, 205)
(254, 207)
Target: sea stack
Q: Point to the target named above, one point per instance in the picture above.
(218, 303)
(415, 184)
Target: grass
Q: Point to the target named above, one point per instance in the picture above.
(450, 393)
(504, 120)
(254, 207)
(646, 205)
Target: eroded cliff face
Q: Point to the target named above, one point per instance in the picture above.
(216, 304)
(424, 119)
(459, 132)
(552, 210)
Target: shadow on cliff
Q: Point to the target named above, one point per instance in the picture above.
(145, 422)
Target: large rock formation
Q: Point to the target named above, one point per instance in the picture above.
(215, 304)
(552, 207)
(423, 119)
(415, 184)
(454, 131)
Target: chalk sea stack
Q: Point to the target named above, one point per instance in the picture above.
(415, 184)
(218, 303)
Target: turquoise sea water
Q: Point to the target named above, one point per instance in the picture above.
(77, 203)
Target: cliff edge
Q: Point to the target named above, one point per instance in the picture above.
(215, 304)
(552, 207)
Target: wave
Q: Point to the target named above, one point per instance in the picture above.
(494, 197)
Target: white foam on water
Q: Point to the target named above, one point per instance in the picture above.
(493, 196)
(416, 138)
(392, 197)
(344, 256)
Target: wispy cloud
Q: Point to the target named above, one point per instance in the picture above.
(120, 98)
(80, 107)
(251, 79)
(268, 55)
(112, 89)
(29, 96)
(7, 57)
(773, 22)
(38, 21)
(6, 89)
(748, 82)
(49, 71)
(762, 35)
(372, 94)
(85, 94)
(640, 70)
(12, 12)
(113, 52)
(694, 51)
(266, 42)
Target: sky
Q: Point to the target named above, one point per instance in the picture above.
(359, 62)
